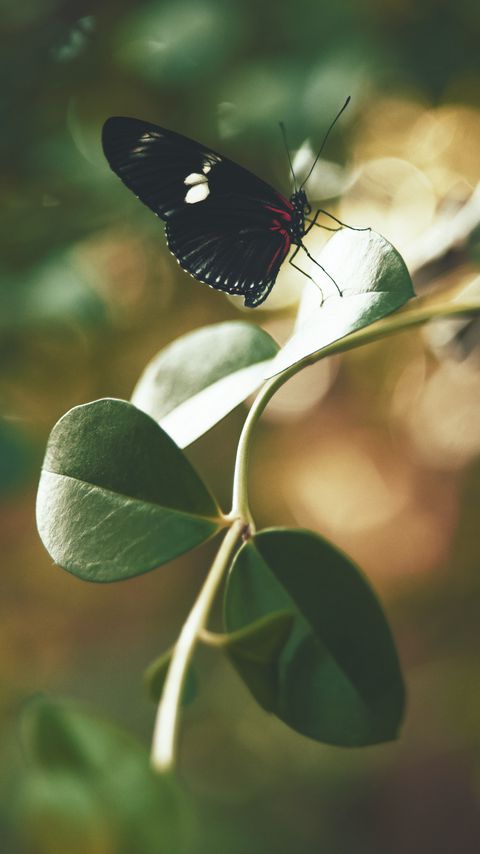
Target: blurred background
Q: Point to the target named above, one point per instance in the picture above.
(378, 451)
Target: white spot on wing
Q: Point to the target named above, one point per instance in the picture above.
(197, 193)
(209, 161)
(194, 178)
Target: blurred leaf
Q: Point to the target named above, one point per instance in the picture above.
(88, 787)
(194, 382)
(17, 457)
(58, 290)
(155, 676)
(255, 650)
(59, 812)
(374, 282)
(116, 496)
(76, 41)
(456, 337)
(339, 679)
(174, 42)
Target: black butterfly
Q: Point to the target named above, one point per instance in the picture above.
(225, 226)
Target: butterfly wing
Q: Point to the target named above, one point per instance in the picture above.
(225, 225)
(237, 248)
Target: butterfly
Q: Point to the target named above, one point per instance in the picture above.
(224, 225)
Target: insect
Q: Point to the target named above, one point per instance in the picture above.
(225, 226)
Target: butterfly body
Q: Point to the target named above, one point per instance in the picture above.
(301, 208)
(225, 226)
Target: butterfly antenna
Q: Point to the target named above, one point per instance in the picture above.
(284, 134)
(325, 139)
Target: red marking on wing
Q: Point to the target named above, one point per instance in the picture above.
(286, 202)
(280, 211)
(280, 226)
(283, 250)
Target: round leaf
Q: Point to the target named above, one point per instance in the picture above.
(339, 679)
(255, 650)
(116, 496)
(374, 282)
(194, 382)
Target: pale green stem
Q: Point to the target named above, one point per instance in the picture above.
(214, 639)
(240, 505)
(165, 736)
(414, 314)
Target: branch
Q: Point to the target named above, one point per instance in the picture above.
(165, 735)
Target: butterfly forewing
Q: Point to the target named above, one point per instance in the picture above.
(152, 162)
(225, 226)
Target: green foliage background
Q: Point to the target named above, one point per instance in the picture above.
(377, 452)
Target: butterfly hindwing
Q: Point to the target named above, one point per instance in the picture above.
(229, 247)
(225, 226)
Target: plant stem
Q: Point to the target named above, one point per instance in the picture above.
(240, 505)
(165, 734)
(416, 313)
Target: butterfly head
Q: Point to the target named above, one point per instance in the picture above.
(300, 202)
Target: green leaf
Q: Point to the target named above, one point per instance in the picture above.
(193, 383)
(255, 651)
(155, 676)
(339, 679)
(88, 787)
(374, 282)
(116, 496)
(58, 812)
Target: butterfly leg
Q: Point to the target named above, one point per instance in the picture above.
(314, 222)
(339, 221)
(290, 261)
(307, 253)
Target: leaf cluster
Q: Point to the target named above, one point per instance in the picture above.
(118, 497)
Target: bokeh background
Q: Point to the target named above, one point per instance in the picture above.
(378, 450)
